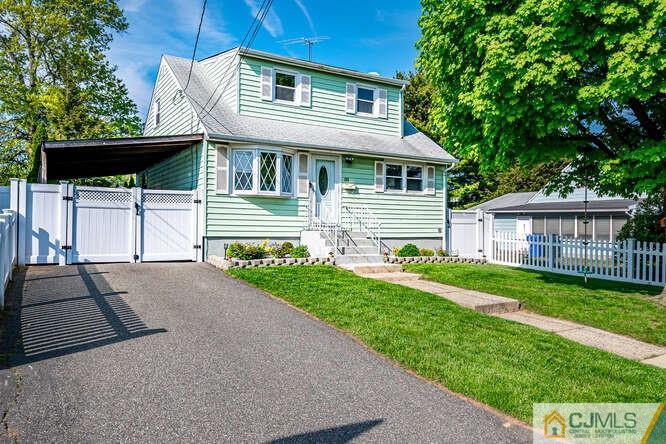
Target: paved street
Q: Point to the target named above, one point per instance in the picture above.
(181, 352)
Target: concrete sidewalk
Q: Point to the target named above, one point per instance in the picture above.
(509, 309)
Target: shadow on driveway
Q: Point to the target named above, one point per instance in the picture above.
(333, 435)
(54, 312)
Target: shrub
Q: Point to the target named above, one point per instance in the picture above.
(300, 251)
(426, 252)
(395, 251)
(442, 253)
(236, 250)
(246, 251)
(408, 250)
(281, 250)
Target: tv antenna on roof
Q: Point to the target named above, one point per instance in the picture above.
(309, 41)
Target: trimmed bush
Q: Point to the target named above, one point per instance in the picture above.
(426, 252)
(395, 250)
(300, 252)
(246, 251)
(442, 253)
(281, 250)
(408, 250)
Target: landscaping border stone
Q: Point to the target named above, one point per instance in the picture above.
(432, 259)
(225, 264)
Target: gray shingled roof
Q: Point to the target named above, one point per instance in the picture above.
(222, 123)
(506, 200)
(593, 205)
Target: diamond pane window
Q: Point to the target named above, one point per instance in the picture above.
(243, 170)
(286, 176)
(267, 171)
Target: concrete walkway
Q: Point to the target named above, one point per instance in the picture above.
(509, 309)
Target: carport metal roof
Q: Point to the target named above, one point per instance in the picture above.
(71, 159)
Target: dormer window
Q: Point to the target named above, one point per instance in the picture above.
(285, 87)
(365, 100)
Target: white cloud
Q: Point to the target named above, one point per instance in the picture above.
(271, 23)
(307, 16)
(131, 5)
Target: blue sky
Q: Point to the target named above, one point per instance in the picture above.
(369, 35)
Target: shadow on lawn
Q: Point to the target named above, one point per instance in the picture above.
(54, 312)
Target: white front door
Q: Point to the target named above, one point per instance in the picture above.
(523, 225)
(326, 199)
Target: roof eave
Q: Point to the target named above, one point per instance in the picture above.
(311, 146)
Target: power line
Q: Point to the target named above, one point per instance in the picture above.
(258, 20)
(196, 43)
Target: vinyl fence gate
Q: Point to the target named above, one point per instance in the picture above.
(68, 224)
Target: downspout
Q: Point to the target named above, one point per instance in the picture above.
(446, 236)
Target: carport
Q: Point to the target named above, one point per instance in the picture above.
(73, 159)
(67, 223)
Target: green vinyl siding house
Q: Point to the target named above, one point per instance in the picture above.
(295, 150)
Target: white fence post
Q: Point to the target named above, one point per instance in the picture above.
(136, 233)
(631, 273)
(65, 243)
(21, 199)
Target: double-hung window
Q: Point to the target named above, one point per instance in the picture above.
(405, 178)
(414, 178)
(262, 172)
(394, 177)
(365, 100)
(285, 87)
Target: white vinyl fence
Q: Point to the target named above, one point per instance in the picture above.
(7, 250)
(629, 261)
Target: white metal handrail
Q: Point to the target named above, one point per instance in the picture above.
(367, 222)
(319, 219)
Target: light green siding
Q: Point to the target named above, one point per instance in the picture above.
(252, 217)
(328, 101)
(402, 215)
(182, 171)
(176, 114)
(505, 223)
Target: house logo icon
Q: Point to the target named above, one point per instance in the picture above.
(554, 425)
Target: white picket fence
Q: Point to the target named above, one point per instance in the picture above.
(629, 261)
(7, 250)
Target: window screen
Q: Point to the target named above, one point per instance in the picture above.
(568, 226)
(602, 228)
(553, 225)
(538, 225)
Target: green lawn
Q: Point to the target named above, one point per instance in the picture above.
(504, 364)
(628, 309)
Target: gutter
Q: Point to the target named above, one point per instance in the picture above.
(255, 140)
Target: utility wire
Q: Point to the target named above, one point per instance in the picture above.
(258, 20)
(196, 43)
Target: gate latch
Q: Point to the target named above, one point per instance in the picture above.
(66, 247)
(137, 207)
(68, 198)
(196, 247)
(197, 201)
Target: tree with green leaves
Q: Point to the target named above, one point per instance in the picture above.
(55, 81)
(468, 184)
(532, 81)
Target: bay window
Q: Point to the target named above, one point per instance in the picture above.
(262, 172)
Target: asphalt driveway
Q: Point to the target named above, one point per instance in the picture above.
(181, 352)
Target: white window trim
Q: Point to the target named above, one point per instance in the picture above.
(256, 153)
(404, 166)
(374, 101)
(297, 87)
